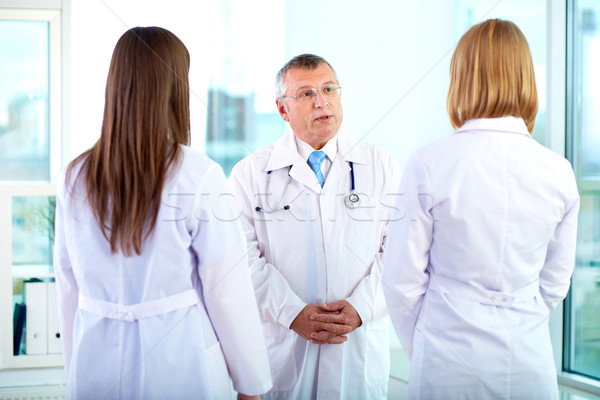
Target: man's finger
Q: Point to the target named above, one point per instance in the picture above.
(330, 318)
(322, 335)
(334, 306)
(337, 339)
(338, 329)
(333, 340)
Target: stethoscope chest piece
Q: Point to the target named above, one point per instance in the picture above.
(352, 200)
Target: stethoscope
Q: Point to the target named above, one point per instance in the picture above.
(351, 201)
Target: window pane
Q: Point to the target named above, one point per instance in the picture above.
(242, 116)
(583, 104)
(32, 234)
(236, 128)
(24, 100)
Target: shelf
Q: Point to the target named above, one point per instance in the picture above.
(17, 264)
(37, 361)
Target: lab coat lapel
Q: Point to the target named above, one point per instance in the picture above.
(302, 173)
(339, 170)
(348, 151)
(284, 154)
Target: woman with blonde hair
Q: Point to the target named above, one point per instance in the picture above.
(486, 247)
(155, 297)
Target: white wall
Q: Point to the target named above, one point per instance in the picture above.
(96, 26)
(392, 58)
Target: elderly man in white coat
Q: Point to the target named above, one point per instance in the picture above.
(315, 209)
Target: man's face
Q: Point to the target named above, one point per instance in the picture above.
(317, 120)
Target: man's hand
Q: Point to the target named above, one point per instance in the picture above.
(339, 316)
(305, 326)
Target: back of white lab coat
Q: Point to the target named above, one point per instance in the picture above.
(484, 251)
(183, 353)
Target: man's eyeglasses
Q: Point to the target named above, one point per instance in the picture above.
(308, 94)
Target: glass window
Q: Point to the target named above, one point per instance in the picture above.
(32, 231)
(582, 322)
(391, 98)
(242, 117)
(30, 158)
(24, 100)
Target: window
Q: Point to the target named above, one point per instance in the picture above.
(30, 159)
(582, 310)
(242, 117)
(24, 103)
(30, 96)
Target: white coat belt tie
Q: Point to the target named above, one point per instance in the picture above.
(466, 291)
(134, 312)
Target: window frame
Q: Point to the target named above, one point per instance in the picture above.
(561, 80)
(53, 12)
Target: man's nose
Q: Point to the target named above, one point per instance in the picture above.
(320, 100)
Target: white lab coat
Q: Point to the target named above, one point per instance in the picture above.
(169, 323)
(484, 251)
(317, 252)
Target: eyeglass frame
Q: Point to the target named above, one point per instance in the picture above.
(316, 91)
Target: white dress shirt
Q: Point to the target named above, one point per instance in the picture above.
(330, 149)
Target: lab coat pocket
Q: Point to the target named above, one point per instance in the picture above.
(364, 225)
(377, 357)
(218, 374)
(281, 348)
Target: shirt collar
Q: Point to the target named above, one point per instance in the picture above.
(286, 151)
(305, 150)
(504, 124)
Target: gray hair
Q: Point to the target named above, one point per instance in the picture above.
(303, 61)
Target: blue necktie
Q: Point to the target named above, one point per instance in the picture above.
(314, 160)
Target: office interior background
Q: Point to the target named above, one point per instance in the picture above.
(392, 60)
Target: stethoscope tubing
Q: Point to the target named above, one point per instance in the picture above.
(351, 201)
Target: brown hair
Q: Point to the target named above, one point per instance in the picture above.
(491, 75)
(146, 118)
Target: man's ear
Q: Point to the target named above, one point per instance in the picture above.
(282, 108)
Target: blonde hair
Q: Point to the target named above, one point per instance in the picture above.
(146, 118)
(491, 75)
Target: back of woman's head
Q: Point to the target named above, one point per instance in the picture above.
(491, 75)
(146, 118)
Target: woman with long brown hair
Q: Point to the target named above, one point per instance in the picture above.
(486, 245)
(155, 296)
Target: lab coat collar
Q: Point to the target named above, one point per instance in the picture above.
(504, 124)
(349, 149)
(285, 152)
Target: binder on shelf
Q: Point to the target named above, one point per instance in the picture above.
(54, 346)
(36, 319)
(18, 327)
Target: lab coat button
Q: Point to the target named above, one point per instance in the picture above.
(493, 298)
(504, 299)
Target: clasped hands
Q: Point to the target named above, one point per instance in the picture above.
(327, 323)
